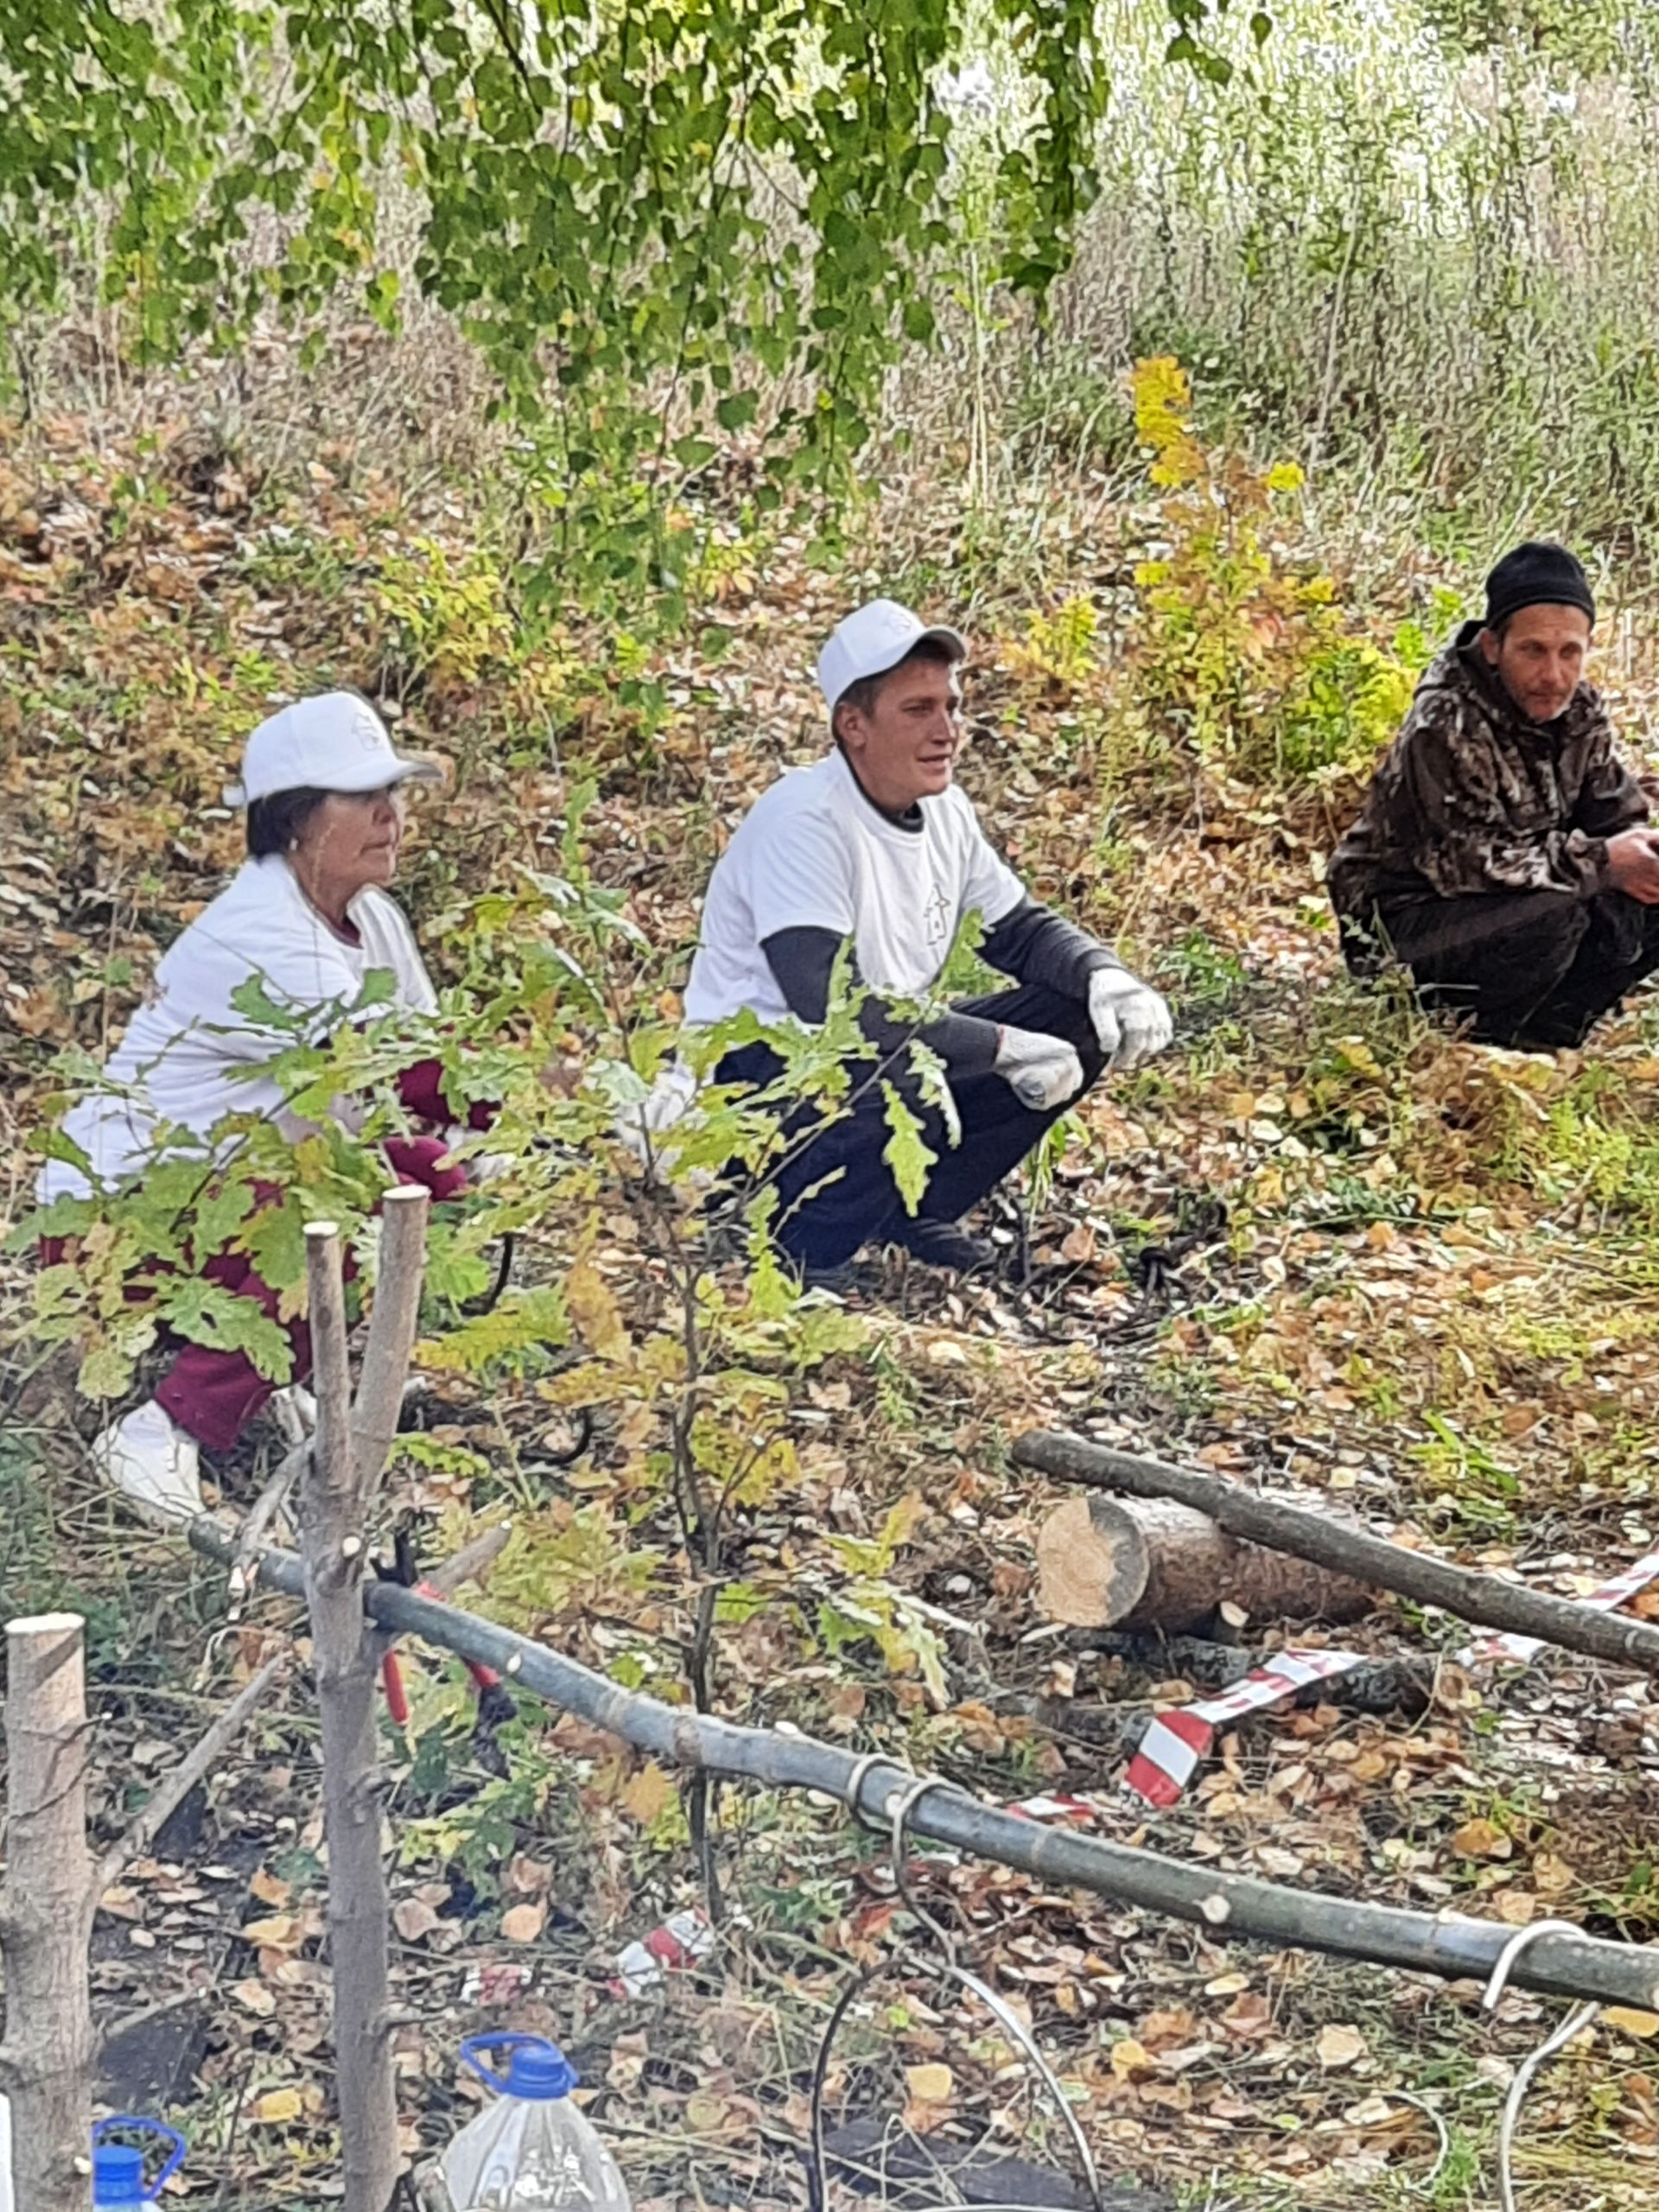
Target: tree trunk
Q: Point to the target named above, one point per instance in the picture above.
(335, 1553)
(1111, 1562)
(46, 2066)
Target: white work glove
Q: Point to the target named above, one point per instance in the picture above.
(1043, 1072)
(641, 1127)
(1131, 1020)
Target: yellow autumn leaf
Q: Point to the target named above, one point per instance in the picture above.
(592, 1305)
(254, 1997)
(707, 2113)
(1481, 1839)
(277, 2105)
(1551, 1876)
(647, 1794)
(932, 2084)
(279, 1931)
(902, 1521)
(1130, 2058)
(1630, 2022)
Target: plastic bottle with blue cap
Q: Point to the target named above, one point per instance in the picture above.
(532, 2150)
(119, 2168)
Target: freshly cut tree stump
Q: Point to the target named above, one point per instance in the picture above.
(1147, 1562)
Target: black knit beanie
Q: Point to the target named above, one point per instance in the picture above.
(1537, 574)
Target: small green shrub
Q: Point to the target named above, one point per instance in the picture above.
(1249, 656)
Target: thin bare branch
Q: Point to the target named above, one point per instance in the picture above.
(196, 1766)
(268, 1503)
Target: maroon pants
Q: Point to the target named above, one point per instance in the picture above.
(214, 1395)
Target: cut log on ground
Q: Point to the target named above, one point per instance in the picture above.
(1310, 1533)
(1148, 1562)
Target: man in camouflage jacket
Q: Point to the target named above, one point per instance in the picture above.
(1499, 856)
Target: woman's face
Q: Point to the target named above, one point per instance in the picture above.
(351, 841)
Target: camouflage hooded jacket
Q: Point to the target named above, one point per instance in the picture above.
(1473, 796)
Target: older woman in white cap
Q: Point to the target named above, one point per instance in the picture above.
(308, 916)
(875, 846)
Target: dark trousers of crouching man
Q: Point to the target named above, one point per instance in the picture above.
(835, 1192)
(1534, 969)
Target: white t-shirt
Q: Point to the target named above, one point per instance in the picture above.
(814, 853)
(187, 1052)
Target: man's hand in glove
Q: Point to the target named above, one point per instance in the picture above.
(1043, 1071)
(1131, 1020)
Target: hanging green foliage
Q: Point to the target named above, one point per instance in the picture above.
(662, 225)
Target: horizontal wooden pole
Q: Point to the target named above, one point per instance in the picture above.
(1235, 1904)
(1483, 1599)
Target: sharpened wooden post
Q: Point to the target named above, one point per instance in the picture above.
(335, 1553)
(45, 2064)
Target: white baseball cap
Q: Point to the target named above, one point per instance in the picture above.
(873, 639)
(335, 742)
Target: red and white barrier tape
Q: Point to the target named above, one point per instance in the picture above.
(681, 1939)
(1056, 1812)
(1175, 1742)
(1518, 1649)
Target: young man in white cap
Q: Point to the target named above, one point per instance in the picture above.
(876, 844)
(307, 915)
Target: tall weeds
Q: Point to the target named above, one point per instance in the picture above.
(1415, 242)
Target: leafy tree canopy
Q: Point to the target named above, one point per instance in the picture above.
(659, 220)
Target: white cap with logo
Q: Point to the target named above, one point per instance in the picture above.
(873, 639)
(334, 743)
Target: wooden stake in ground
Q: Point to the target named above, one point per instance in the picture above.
(1110, 1562)
(347, 1455)
(46, 2062)
(53, 1888)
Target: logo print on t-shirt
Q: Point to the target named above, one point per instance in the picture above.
(935, 919)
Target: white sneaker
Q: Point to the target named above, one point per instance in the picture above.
(154, 1465)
